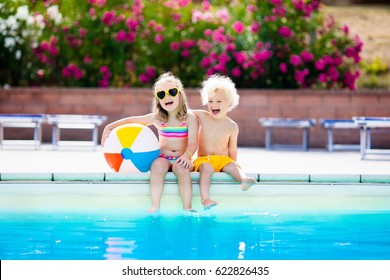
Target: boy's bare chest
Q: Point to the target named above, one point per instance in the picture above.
(215, 130)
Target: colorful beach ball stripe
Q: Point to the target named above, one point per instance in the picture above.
(131, 148)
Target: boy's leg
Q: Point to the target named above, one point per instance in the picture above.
(159, 168)
(233, 170)
(206, 171)
(185, 185)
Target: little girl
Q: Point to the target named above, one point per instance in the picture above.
(178, 134)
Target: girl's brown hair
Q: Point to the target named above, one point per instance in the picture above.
(160, 113)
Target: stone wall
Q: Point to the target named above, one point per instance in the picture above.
(254, 104)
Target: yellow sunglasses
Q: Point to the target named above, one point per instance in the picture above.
(162, 93)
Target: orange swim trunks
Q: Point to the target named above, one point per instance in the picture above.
(218, 162)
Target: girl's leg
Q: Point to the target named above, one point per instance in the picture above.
(159, 168)
(185, 185)
(206, 171)
(233, 170)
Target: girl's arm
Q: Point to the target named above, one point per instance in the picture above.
(145, 120)
(192, 145)
(232, 149)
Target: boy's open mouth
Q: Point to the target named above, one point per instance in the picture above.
(215, 111)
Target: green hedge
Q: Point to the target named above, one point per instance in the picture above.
(260, 44)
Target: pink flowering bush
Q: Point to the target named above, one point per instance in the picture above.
(260, 44)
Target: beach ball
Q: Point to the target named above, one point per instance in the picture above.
(131, 148)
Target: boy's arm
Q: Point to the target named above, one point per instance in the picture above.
(192, 144)
(198, 113)
(233, 143)
(193, 126)
(145, 120)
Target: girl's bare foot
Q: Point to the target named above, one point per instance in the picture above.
(208, 203)
(247, 182)
(153, 210)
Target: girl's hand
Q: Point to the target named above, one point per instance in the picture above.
(184, 162)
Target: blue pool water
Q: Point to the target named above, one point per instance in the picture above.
(208, 235)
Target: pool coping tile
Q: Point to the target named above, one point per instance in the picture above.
(284, 178)
(26, 176)
(335, 178)
(71, 176)
(380, 178)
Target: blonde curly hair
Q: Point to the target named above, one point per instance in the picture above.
(221, 84)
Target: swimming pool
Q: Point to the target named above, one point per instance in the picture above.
(281, 217)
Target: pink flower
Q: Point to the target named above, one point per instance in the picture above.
(175, 46)
(206, 61)
(104, 69)
(120, 36)
(186, 44)
(150, 71)
(205, 5)
(152, 23)
(238, 26)
(300, 75)
(109, 17)
(130, 37)
(204, 46)
(40, 73)
(44, 46)
(322, 78)
(255, 26)
(131, 24)
(92, 13)
(307, 56)
(262, 56)
(251, 8)
(176, 17)
(53, 50)
(144, 78)
(72, 71)
(104, 83)
(345, 29)
(240, 57)
(350, 78)
(283, 67)
(320, 64)
(236, 72)
(285, 32)
(218, 36)
(183, 3)
(208, 32)
(295, 60)
(231, 47)
(87, 59)
(333, 74)
(223, 15)
(185, 53)
(158, 38)
(158, 28)
(82, 32)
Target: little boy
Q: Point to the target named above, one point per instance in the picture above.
(217, 150)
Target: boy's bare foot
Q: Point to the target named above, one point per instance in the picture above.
(247, 183)
(153, 210)
(208, 203)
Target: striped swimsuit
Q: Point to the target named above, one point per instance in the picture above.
(173, 132)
